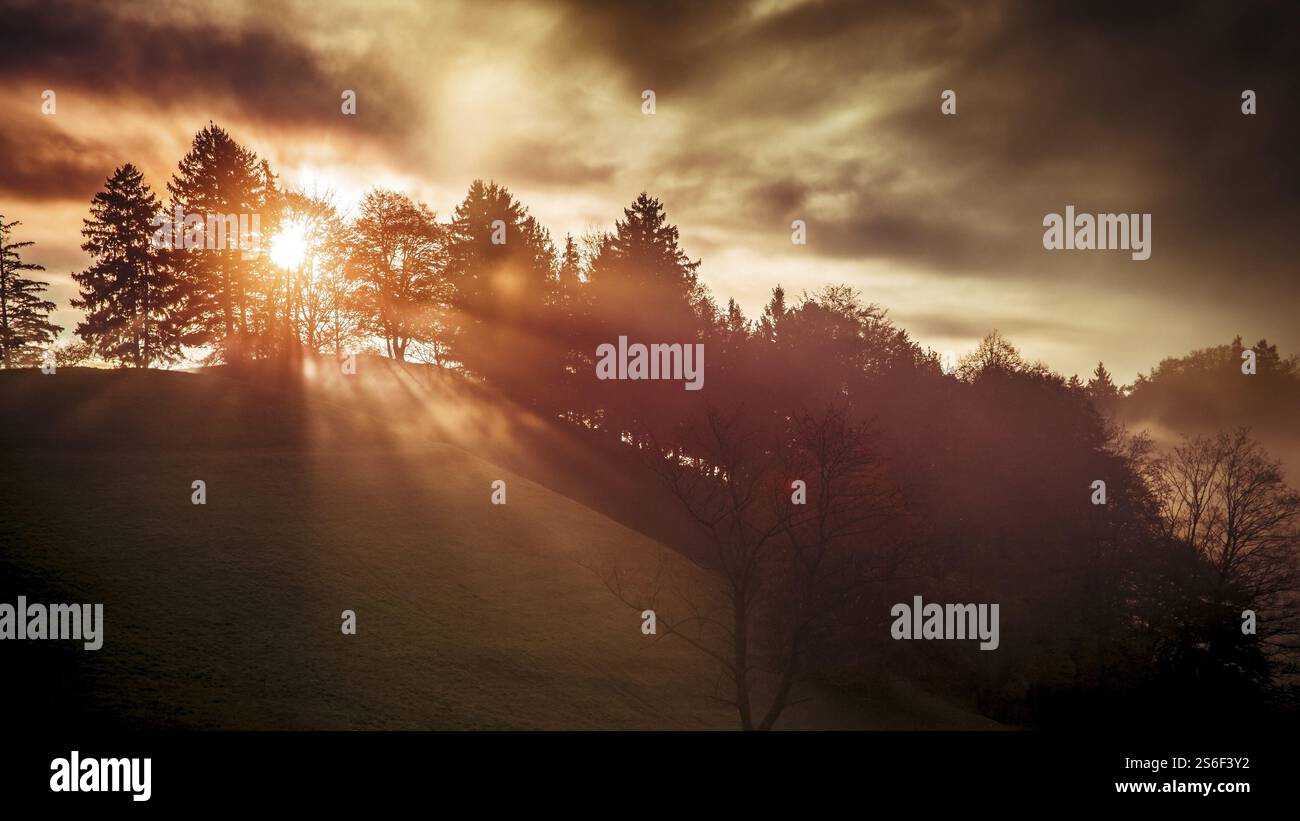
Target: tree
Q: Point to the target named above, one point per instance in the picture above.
(642, 285)
(398, 261)
(781, 570)
(642, 281)
(569, 277)
(72, 354)
(25, 327)
(774, 314)
(1227, 501)
(129, 290)
(502, 264)
(1101, 389)
(218, 184)
(994, 357)
(320, 300)
(570, 319)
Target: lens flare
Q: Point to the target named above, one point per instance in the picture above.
(289, 246)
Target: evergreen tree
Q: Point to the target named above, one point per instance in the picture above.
(643, 286)
(25, 327)
(769, 324)
(569, 279)
(216, 180)
(128, 291)
(502, 264)
(642, 281)
(735, 326)
(501, 258)
(269, 290)
(1101, 387)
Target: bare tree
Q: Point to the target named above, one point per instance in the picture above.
(780, 559)
(1187, 481)
(1225, 498)
(398, 261)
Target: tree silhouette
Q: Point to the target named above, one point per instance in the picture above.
(502, 264)
(781, 571)
(1226, 503)
(642, 281)
(398, 261)
(1227, 500)
(25, 327)
(321, 302)
(129, 290)
(219, 284)
(642, 285)
(995, 357)
(569, 278)
(1102, 389)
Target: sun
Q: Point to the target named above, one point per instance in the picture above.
(289, 246)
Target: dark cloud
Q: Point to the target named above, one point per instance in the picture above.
(783, 198)
(660, 44)
(549, 162)
(152, 54)
(56, 166)
(1109, 106)
(1132, 107)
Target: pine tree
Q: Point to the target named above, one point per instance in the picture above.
(1101, 387)
(735, 325)
(128, 291)
(570, 312)
(217, 303)
(500, 258)
(774, 314)
(569, 276)
(25, 327)
(268, 291)
(643, 286)
(641, 278)
(502, 264)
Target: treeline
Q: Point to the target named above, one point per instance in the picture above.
(487, 291)
(1135, 587)
(1208, 389)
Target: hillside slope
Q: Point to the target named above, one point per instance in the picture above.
(227, 615)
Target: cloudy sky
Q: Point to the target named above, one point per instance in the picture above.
(766, 112)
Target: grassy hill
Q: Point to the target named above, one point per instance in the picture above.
(227, 615)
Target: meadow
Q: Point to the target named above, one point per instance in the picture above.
(227, 615)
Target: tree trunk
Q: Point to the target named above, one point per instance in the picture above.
(742, 662)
